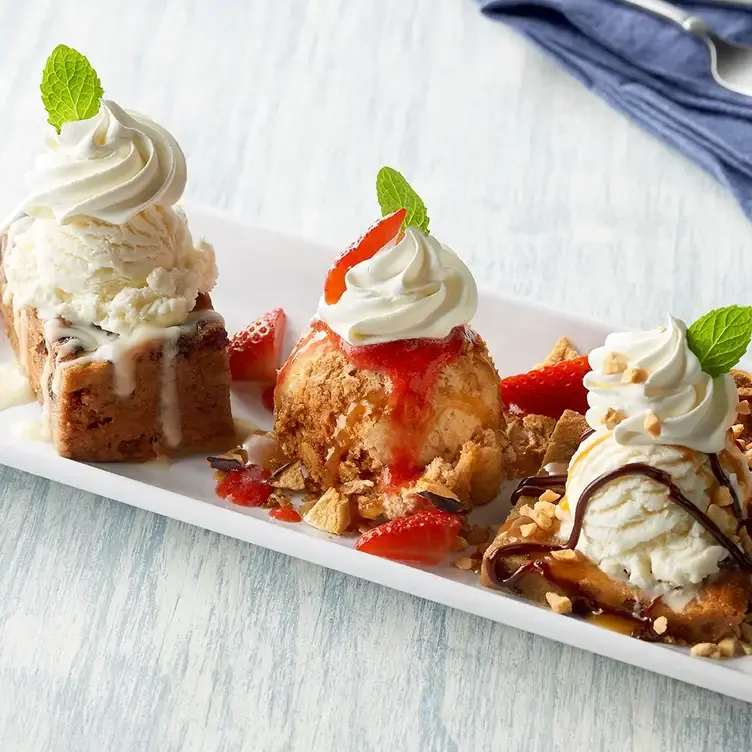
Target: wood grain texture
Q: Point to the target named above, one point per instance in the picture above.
(120, 630)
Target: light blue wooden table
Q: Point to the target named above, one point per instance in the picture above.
(120, 630)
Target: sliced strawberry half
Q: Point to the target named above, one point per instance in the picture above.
(550, 390)
(362, 249)
(424, 537)
(255, 352)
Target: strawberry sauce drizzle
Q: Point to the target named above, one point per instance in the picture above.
(413, 367)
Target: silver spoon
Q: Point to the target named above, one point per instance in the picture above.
(730, 63)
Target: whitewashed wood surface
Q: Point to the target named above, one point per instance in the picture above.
(120, 630)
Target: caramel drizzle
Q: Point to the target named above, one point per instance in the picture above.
(634, 468)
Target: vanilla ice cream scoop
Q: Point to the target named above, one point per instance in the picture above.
(632, 529)
(413, 288)
(99, 240)
(147, 271)
(636, 375)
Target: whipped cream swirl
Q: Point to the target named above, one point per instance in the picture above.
(411, 289)
(693, 409)
(109, 167)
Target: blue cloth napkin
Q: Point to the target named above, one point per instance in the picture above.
(652, 71)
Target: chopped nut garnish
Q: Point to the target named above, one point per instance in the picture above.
(634, 376)
(612, 418)
(722, 517)
(729, 647)
(660, 625)
(549, 495)
(614, 363)
(527, 530)
(744, 408)
(652, 425)
(566, 554)
(464, 563)
(705, 650)
(526, 511)
(747, 648)
(560, 604)
(330, 513)
(747, 632)
(748, 455)
(722, 496)
(545, 507)
(737, 430)
(543, 521)
(370, 507)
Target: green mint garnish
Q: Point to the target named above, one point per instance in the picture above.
(71, 89)
(720, 338)
(395, 193)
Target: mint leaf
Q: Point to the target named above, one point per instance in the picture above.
(395, 193)
(71, 89)
(720, 338)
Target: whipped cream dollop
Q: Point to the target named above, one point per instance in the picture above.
(633, 530)
(693, 409)
(110, 167)
(145, 272)
(413, 288)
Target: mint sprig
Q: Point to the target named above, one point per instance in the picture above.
(70, 87)
(720, 338)
(395, 193)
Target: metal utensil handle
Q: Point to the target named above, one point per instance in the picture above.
(672, 13)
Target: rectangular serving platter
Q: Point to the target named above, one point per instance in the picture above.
(264, 270)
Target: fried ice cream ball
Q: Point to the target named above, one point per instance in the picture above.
(345, 421)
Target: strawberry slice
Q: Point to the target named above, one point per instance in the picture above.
(255, 352)
(550, 390)
(362, 249)
(424, 537)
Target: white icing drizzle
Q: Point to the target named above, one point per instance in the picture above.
(14, 386)
(101, 346)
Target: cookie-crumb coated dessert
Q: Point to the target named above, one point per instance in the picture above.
(105, 293)
(390, 378)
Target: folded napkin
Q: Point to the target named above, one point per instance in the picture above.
(652, 71)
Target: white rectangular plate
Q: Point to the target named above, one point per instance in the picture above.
(262, 270)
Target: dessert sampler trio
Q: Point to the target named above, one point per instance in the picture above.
(633, 506)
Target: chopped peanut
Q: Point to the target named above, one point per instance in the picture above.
(612, 418)
(652, 425)
(614, 363)
(660, 625)
(566, 554)
(705, 650)
(549, 495)
(527, 530)
(560, 604)
(634, 376)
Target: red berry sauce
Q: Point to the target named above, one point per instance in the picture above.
(285, 514)
(413, 367)
(246, 487)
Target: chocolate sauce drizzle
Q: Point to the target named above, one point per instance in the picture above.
(536, 483)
